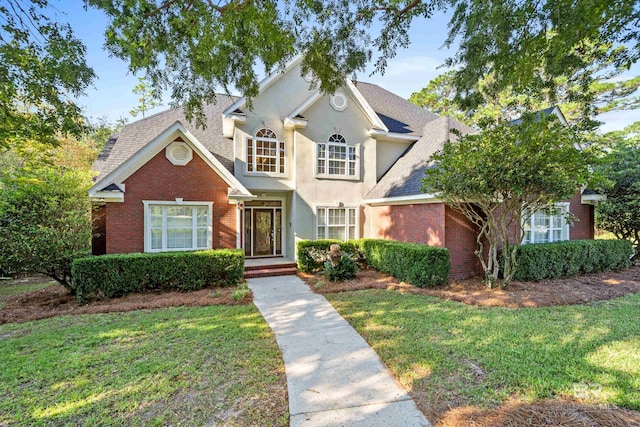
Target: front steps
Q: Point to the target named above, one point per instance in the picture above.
(283, 268)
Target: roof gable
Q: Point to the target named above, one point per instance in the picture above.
(119, 174)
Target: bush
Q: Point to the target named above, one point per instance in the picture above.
(420, 265)
(344, 270)
(109, 276)
(312, 254)
(563, 259)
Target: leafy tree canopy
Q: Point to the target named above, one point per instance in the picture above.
(620, 213)
(195, 46)
(42, 67)
(500, 176)
(441, 96)
(148, 98)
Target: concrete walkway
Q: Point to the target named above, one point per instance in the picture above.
(334, 377)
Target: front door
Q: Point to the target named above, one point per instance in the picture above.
(263, 229)
(263, 233)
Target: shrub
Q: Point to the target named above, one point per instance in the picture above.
(312, 254)
(563, 259)
(420, 265)
(109, 276)
(345, 269)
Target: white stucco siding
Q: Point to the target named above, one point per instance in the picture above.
(387, 153)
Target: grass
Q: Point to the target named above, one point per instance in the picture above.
(177, 366)
(12, 288)
(435, 348)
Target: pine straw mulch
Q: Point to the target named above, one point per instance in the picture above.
(559, 413)
(569, 291)
(55, 300)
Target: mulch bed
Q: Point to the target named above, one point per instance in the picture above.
(541, 413)
(569, 291)
(56, 301)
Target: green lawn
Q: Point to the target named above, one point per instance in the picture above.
(8, 288)
(176, 366)
(432, 346)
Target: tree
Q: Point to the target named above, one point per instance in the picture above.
(620, 213)
(148, 97)
(196, 46)
(42, 67)
(45, 217)
(499, 177)
(441, 96)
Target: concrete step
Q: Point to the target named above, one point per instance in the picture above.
(269, 272)
(284, 264)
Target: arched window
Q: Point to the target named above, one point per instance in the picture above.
(336, 157)
(265, 153)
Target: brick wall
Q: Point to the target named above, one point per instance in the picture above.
(421, 223)
(461, 240)
(584, 228)
(159, 180)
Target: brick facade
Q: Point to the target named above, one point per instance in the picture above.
(438, 225)
(160, 180)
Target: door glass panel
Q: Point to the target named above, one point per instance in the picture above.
(263, 231)
(247, 232)
(278, 232)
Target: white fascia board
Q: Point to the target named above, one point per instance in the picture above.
(291, 124)
(558, 112)
(142, 156)
(414, 199)
(365, 107)
(108, 196)
(592, 199)
(312, 99)
(264, 85)
(393, 136)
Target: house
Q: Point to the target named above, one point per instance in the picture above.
(297, 165)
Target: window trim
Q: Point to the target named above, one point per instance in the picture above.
(178, 202)
(280, 145)
(356, 234)
(566, 226)
(326, 174)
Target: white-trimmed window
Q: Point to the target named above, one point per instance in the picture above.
(336, 158)
(336, 223)
(547, 226)
(178, 226)
(265, 154)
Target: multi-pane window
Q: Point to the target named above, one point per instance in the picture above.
(335, 157)
(178, 227)
(547, 226)
(336, 223)
(265, 153)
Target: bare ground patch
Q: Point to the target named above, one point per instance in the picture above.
(56, 301)
(568, 291)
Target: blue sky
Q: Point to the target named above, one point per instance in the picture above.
(408, 72)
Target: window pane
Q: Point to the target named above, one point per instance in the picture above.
(541, 236)
(156, 238)
(202, 216)
(557, 221)
(321, 232)
(352, 216)
(179, 238)
(321, 168)
(352, 232)
(336, 233)
(557, 235)
(156, 216)
(202, 238)
(179, 216)
(321, 217)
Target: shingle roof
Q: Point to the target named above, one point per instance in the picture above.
(404, 178)
(398, 114)
(136, 135)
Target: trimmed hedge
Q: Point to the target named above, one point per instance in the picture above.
(420, 265)
(312, 254)
(109, 276)
(570, 258)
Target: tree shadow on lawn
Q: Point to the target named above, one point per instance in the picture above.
(450, 355)
(187, 366)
